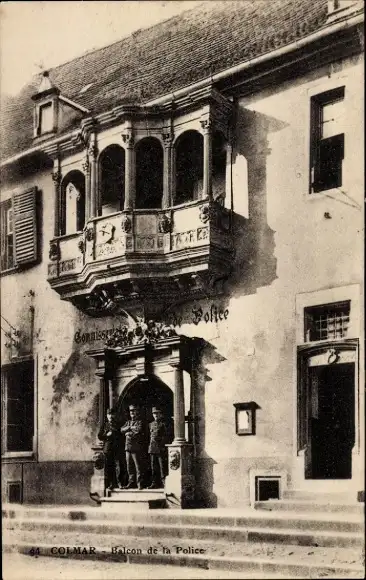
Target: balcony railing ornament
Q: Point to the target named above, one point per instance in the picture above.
(126, 224)
(128, 139)
(207, 213)
(54, 253)
(165, 224)
(81, 246)
(143, 333)
(86, 165)
(57, 177)
(93, 151)
(89, 234)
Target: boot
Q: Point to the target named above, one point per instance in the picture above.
(130, 485)
(153, 485)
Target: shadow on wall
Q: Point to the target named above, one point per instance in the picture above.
(255, 264)
(201, 353)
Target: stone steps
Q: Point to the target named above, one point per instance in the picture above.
(248, 533)
(141, 499)
(328, 522)
(289, 565)
(286, 543)
(321, 496)
(323, 531)
(298, 505)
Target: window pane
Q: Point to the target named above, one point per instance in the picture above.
(19, 407)
(326, 322)
(15, 410)
(18, 439)
(46, 118)
(332, 119)
(10, 221)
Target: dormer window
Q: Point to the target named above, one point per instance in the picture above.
(45, 107)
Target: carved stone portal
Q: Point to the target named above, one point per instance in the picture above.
(151, 352)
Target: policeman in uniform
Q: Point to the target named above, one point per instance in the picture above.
(111, 437)
(158, 439)
(134, 447)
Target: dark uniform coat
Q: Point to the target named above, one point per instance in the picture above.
(134, 432)
(158, 437)
(112, 442)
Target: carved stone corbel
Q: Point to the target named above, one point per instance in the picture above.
(126, 224)
(54, 252)
(164, 224)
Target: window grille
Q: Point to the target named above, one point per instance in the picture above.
(327, 322)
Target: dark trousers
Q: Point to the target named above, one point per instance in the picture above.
(134, 470)
(113, 470)
(157, 468)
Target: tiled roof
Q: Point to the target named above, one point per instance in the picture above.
(155, 61)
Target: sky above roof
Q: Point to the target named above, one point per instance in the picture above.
(40, 35)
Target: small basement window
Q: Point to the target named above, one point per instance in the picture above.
(267, 488)
(327, 321)
(14, 492)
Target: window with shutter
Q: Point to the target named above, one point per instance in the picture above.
(25, 227)
(18, 228)
(327, 140)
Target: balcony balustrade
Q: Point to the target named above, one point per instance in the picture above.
(131, 251)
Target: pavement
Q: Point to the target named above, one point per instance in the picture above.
(20, 567)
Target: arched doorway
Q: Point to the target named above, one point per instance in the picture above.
(146, 393)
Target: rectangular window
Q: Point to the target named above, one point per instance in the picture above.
(19, 240)
(327, 140)
(45, 119)
(327, 322)
(17, 396)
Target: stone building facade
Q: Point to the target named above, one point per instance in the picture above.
(182, 224)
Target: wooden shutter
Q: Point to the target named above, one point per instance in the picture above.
(25, 227)
(4, 232)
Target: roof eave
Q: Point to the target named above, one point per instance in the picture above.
(327, 30)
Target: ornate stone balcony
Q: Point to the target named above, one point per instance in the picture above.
(142, 255)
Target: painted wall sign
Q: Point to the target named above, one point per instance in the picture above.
(93, 336)
(198, 314)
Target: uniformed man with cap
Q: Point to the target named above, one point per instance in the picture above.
(111, 437)
(158, 439)
(134, 447)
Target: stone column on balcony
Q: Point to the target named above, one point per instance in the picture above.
(57, 178)
(130, 170)
(86, 170)
(207, 159)
(94, 197)
(167, 185)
